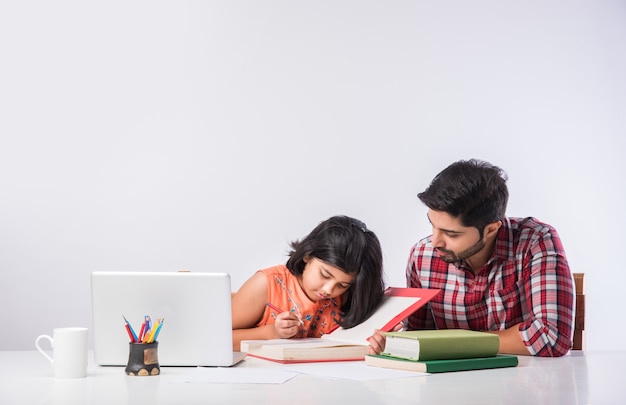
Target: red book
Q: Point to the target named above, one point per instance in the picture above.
(344, 344)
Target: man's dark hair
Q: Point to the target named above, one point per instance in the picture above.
(472, 190)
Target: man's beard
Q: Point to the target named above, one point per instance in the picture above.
(451, 257)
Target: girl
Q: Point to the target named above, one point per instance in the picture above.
(333, 277)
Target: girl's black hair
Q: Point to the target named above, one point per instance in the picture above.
(347, 244)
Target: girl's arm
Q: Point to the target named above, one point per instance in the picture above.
(248, 306)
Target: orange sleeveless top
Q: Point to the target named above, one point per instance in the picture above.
(284, 292)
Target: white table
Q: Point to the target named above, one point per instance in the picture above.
(579, 378)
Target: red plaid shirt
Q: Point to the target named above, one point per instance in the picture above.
(527, 280)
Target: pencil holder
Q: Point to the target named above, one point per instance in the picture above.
(143, 359)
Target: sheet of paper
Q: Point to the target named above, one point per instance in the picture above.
(350, 370)
(236, 375)
(359, 334)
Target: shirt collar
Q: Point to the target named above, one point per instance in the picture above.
(504, 241)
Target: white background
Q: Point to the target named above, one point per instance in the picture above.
(207, 135)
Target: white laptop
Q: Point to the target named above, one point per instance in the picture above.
(196, 312)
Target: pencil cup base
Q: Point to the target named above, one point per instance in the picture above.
(143, 359)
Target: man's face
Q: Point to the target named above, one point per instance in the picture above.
(453, 241)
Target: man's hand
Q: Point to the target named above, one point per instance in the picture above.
(377, 342)
(378, 339)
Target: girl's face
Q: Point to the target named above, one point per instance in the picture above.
(321, 280)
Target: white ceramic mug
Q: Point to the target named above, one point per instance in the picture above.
(69, 346)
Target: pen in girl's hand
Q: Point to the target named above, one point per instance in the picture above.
(275, 308)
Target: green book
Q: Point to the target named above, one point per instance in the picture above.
(441, 344)
(441, 366)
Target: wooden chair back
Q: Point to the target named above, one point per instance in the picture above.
(579, 320)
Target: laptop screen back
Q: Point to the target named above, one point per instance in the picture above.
(195, 307)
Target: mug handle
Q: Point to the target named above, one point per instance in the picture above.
(40, 349)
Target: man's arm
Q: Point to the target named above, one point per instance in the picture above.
(511, 341)
(549, 292)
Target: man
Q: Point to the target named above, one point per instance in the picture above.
(507, 276)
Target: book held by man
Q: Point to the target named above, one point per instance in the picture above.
(343, 344)
(440, 344)
(441, 366)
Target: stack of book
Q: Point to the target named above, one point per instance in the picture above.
(437, 351)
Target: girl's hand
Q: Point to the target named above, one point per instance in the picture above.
(286, 325)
